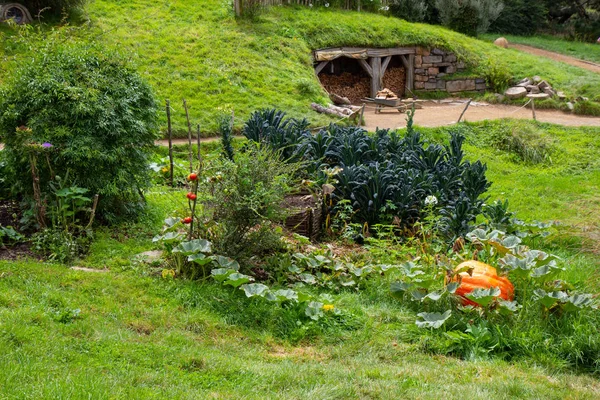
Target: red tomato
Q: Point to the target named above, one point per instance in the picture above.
(192, 177)
(187, 220)
(191, 196)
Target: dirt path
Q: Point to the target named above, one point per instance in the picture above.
(447, 112)
(590, 66)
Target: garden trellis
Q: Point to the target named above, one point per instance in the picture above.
(241, 5)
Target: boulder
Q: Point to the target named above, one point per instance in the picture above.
(501, 42)
(570, 106)
(533, 89)
(537, 79)
(516, 92)
(525, 82)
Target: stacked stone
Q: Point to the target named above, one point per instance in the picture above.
(431, 66)
(535, 87)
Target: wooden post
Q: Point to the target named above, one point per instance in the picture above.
(170, 134)
(362, 113)
(465, 110)
(533, 108)
(237, 6)
(376, 78)
(190, 150)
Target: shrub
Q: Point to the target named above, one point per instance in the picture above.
(520, 17)
(96, 112)
(496, 74)
(469, 17)
(410, 10)
(53, 7)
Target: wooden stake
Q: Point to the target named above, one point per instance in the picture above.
(362, 113)
(170, 133)
(190, 150)
(533, 108)
(465, 110)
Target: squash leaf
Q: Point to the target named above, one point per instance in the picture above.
(433, 320)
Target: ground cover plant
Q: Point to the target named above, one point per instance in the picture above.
(276, 48)
(93, 332)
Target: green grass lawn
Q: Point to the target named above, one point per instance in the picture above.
(128, 333)
(580, 50)
(200, 52)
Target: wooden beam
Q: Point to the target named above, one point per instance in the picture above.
(410, 74)
(360, 53)
(384, 65)
(376, 77)
(320, 67)
(405, 62)
(366, 67)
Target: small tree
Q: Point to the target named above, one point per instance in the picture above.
(93, 109)
(469, 16)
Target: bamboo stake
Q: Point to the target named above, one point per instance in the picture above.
(465, 110)
(170, 133)
(190, 150)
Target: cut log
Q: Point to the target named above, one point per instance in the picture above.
(339, 100)
(327, 110)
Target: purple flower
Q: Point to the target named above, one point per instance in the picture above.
(46, 145)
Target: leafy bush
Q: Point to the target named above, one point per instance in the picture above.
(410, 10)
(385, 177)
(469, 17)
(520, 17)
(93, 110)
(53, 7)
(525, 142)
(496, 74)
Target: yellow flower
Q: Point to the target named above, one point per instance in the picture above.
(165, 169)
(168, 273)
(328, 307)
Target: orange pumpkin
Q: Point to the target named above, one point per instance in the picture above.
(484, 276)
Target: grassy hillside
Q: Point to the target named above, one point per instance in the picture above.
(199, 51)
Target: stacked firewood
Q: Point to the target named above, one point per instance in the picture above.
(395, 80)
(352, 86)
(386, 94)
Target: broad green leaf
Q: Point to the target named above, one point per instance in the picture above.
(549, 299)
(168, 237)
(400, 287)
(546, 272)
(226, 262)
(220, 274)
(348, 283)
(433, 320)
(193, 247)
(452, 286)
(434, 296)
(171, 222)
(282, 295)
(478, 235)
(237, 279)
(308, 278)
(418, 294)
(314, 310)
(508, 307)
(255, 289)
(483, 297)
(200, 259)
(577, 302)
(303, 297)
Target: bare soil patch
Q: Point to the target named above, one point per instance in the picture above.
(590, 66)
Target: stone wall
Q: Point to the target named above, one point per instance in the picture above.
(431, 68)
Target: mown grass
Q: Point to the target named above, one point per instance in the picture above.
(199, 51)
(137, 335)
(581, 50)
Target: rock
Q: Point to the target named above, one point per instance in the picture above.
(432, 59)
(501, 42)
(582, 98)
(480, 86)
(538, 96)
(516, 92)
(460, 65)
(561, 95)
(570, 106)
(460, 85)
(440, 84)
(544, 84)
(450, 58)
(150, 256)
(430, 85)
(537, 79)
(84, 269)
(525, 82)
(438, 52)
(549, 91)
(533, 89)
(480, 80)
(499, 97)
